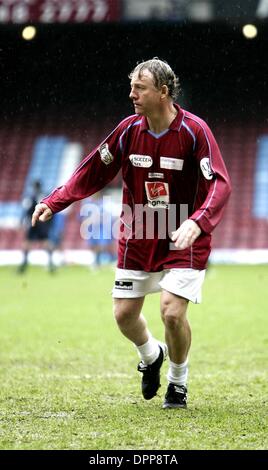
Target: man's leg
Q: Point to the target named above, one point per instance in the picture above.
(178, 339)
(25, 251)
(49, 247)
(133, 325)
(127, 313)
(177, 328)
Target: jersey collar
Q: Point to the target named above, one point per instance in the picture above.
(175, 125)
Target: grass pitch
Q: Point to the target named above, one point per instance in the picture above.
(69, 379)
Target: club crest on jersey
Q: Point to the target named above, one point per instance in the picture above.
(157, 194)
(105, 154)
(206, 168)
(144, 161)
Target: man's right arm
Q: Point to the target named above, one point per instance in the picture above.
(41, 212)
(94, 172)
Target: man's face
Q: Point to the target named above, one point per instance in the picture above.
(144, 94)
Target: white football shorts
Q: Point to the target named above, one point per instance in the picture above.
(185, 282)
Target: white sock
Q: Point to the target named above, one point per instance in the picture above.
(178, 373)
(149, 351)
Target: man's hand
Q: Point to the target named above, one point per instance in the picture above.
(186, 234)
(42, 213)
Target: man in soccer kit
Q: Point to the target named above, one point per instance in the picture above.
(175, 187)
(40, 233)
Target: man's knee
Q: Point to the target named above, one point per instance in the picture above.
(121, 313)
(125, 310)
(173, 311)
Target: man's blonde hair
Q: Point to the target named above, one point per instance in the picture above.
(162, 75)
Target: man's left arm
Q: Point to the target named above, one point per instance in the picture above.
(213, 191)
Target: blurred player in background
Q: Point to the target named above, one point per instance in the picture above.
(37, 234)
(169, 159)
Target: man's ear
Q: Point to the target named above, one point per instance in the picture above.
(164, 92)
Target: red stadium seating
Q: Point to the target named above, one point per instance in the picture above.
(239, 228)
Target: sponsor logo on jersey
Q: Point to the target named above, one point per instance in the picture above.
(155, 175)
(206, 168)
(157, 194)
(105, 154)
(144, 161)
(124, 285)
(171, 163)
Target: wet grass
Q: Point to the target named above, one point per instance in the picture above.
(69, 379)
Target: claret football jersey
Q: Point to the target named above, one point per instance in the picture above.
(167, 178)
